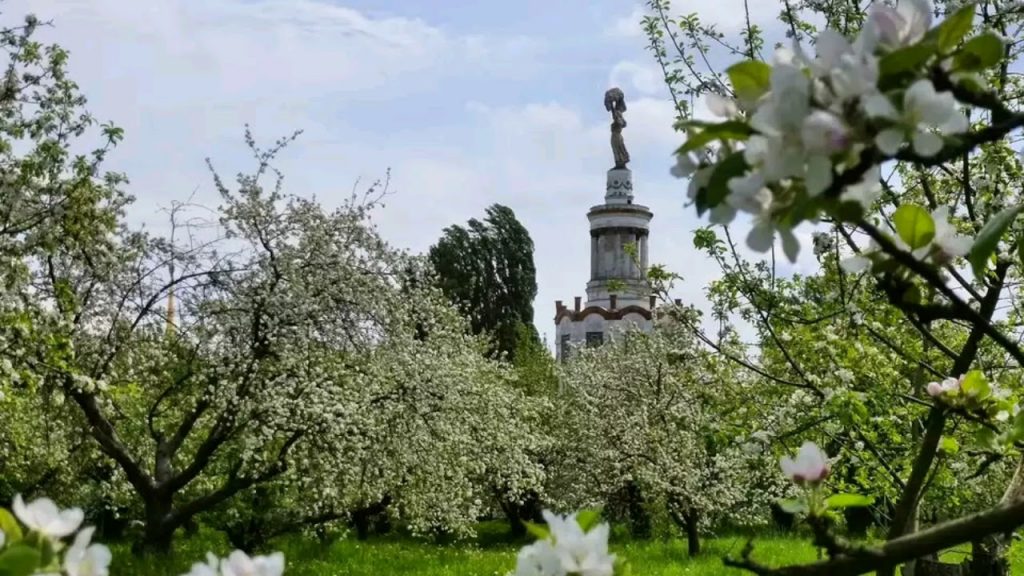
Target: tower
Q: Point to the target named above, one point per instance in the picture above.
(618, 294)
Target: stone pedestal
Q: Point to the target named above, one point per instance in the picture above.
(619, 189)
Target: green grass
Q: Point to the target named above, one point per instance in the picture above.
(489, 555)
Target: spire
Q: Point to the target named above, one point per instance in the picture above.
(171, 327)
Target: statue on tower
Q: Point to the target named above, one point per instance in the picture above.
(615, 102)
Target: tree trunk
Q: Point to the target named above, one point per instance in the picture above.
(691, 518)
(158, 533)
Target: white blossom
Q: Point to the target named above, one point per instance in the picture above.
(85, 559)
(924, 112)
(946, 386)
(823, 243)
(721, 106)
(762, 237)
(897, 27)
(210, 568)
(239, 563)
(539, 559)
(43, 516)
(810, 467)
(685, 165)
(948, 243)
(867, 190)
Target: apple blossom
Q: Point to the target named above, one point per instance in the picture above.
(896, 27)
(866, 191)
(85, 559)
(825, 133)
(239, 563)
(721, 106)
(43, 516)
(810, 466)
(539, 559)
(685, 166)
(749, 194)
(948, 243)
(762, 236)
(587, 556)
(823, 243)
(946, 386)
(924, 110)
(210, 568)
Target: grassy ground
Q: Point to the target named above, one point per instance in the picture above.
(489, 555)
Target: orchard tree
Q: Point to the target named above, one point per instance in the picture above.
(55, 200)
(660, 419)
(486, 269)
(431, 426)
(895, 130)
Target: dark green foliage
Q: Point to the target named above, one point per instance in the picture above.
(486, 269)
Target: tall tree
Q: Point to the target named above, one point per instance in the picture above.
(486, 269)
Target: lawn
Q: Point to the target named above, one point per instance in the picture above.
(489, 555)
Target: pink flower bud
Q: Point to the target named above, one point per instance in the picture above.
(809, 467)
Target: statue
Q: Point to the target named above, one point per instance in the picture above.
(615, 102)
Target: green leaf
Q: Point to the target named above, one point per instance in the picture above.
(975, 385)
(19, 560)
(750, 79)
(905, 59)
(538, 531)
(914, 225)
(988, 239)
(953, 29)
(10, 526)
(587, 519)
(718, 185)
(731, 130)
(981, 52)
(985, 438)
(837, 501)
(949, 445)
(793, 506)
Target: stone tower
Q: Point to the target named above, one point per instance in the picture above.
(618, 294)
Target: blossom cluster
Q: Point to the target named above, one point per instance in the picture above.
(568, 549)
(37, 536)
(973, 392)
(807, 134)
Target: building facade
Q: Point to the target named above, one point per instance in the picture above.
(618, 294)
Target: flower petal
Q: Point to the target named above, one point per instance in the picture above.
(878, 106)
(790, 245)
(889, 141)
(761, 237)
(927, 144)
(819, 175)
(721, 106)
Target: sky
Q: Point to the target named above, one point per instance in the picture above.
(467, 103)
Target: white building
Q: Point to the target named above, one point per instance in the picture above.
(618, 294)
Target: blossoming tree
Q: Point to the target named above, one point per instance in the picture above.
(657, 417)
(877, 125)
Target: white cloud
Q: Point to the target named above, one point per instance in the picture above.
(183, 77)
(628, 26)
(642, 78)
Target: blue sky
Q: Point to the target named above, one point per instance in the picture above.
(468, 103)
